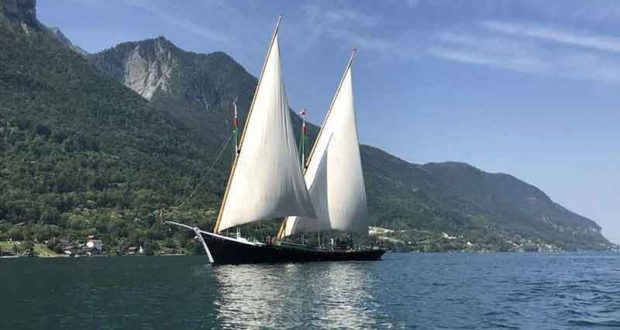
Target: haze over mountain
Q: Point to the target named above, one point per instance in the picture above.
(99, 143)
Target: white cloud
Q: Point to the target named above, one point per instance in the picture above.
(347, 16)
(522, 47)
(505, 61)
(350, 27)
(527, 56)
(554, 34)
(527, 48)
(181, 22)
(487, 50)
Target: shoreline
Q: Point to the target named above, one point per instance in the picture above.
(60, 256)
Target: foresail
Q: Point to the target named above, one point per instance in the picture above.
(267, 181)
(334, 174)
(317, 188)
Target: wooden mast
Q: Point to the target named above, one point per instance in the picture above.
(245, 125)
(329, 111)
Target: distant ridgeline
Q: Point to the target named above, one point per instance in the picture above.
(112, 143)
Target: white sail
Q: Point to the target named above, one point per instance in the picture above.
(334, 174)
(267, 181)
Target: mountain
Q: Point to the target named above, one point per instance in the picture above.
(20, 12)
(65, 41)
(96, 144)
(23, 13)
(80, 153)
(459, 199)
(196, 89)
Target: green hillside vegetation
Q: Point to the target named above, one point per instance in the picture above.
(81, 154)
(492, 210)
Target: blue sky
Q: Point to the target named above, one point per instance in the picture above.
(529, 88)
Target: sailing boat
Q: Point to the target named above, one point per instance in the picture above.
(266, 180)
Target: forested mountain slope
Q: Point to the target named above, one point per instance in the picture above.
(98, 144)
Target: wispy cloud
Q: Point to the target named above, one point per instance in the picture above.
(498, 52)
(353, 28)
(526, 47)
(554, 34)
(181, 22)
(340, 16)
(521, 46)
(532, 49)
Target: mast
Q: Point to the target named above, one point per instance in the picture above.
(247, 120)
(302, 151)
(236, 126)
(331, 105)
(302, 139)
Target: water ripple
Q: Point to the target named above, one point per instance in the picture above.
(405, 291)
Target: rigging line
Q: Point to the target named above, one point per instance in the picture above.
(204, 177)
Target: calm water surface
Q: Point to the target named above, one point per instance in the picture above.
(443, 291)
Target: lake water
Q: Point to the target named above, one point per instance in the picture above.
(445, 291)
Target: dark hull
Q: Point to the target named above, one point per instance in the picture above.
(230, 251)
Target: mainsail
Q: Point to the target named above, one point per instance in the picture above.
(266, 181)
(334, 173)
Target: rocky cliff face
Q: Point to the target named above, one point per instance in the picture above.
(156, 65)
(24, 14)
(147, 71)
(20, 11)
(146, 77)
(145, 68)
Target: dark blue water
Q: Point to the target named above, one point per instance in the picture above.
(443, 291)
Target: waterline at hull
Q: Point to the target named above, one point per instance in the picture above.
(226, 250)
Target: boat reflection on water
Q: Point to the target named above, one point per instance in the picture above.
(319, 295)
